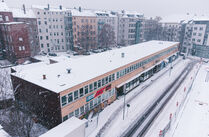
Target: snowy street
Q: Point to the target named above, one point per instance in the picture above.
(113, 113)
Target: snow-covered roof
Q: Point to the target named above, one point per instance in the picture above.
(11, 23)
(19, 13)
(83, 12)
(183, 18)
(65, 128)
(87, 67)
(51, 8)
(4, 7)
(104, 14)
(3, 133)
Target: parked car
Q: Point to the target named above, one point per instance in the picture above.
(75, 53)
(96, 51)
(52, 54)
(87, 53)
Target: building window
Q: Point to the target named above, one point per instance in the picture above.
(99, 99)
(42, 45)
(1, 18)
(77, 112)
(64, 100)
(103, 82)
(91, 104)
(91, 87)
(6, 18)
(65, 118)
(70, 97)
(41, 37)
(81, 92)
(39, 22)
(86, 90)
(20, 48)
(20, 39)
(106, 80)
(95, 85)
(71, 114)
(99, 83)
(75, 94)
(82, 110)
(87, 107)
(23, 47)
(110, 78)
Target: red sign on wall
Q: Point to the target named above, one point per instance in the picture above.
(99, 92)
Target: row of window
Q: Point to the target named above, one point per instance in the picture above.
(83, 109)
(129, 69)
(61, 13)
(73, 96)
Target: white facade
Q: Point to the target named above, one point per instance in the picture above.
(104, 17)
(52, 23)
(127, 27)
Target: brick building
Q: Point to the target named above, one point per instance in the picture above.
(28, 17)
(75, 87)
(15, 39)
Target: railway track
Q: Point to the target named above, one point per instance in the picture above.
(143, 122)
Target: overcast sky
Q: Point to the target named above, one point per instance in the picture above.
(147, 7)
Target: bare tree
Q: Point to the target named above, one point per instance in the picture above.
(86, 38)
(18, 123)
(106, 36)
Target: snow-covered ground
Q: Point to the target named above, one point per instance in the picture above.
(171, 110)
(193, 119)
(111, 123)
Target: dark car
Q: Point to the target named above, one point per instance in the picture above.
(52, 54)
(95, 51)
(87, 53)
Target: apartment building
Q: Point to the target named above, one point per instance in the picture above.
(196, 37)
(28, 17)
(110, 18)
(14, 44)
(54, 28)
(130, 28)
(84, 29)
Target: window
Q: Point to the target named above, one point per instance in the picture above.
(42, 45)
(65, 118)
(86, 89)
(95, 102)
(23, 47)
(64, 100)
(75, 94)
(91, 87)
(20, 48)
(91, 104)
(71, 114)
(1, 18)
(103, 82)
(6, 18)
(99, 99)
(110, 78)
(20, 39)
(47, 37)
(81, 92)
(41, 37)
(106, 80)
(117, 75)
(113, 77)
(99, 83)
(87, 107)
(70, 97)
(82, 110)
(39, 22)
(77, 112)
(95, 85)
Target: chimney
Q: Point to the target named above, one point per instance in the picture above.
(68, 71)
(24, 8)
(44, 77)
(60, 7)
(48, 6)
(122, 55)
(79, 9)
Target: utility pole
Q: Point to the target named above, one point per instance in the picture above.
(124, 104)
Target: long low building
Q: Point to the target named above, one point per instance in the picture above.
(59, 90)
